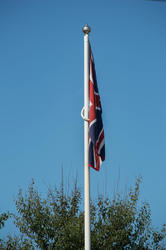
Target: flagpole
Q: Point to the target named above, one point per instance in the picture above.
(87, 242)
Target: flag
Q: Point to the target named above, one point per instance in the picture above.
(96, 131)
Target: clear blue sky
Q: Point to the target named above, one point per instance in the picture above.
(41, 95)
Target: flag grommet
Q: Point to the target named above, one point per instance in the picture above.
(82, 115)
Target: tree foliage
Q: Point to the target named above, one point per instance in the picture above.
(57, 222)
(3, 218)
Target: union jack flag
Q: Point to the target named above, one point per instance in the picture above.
(96, 131)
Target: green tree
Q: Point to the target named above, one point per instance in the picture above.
(57, 222)
(3, 218)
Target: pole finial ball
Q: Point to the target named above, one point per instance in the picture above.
(86, 29)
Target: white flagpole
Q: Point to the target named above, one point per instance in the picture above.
(86, 30)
